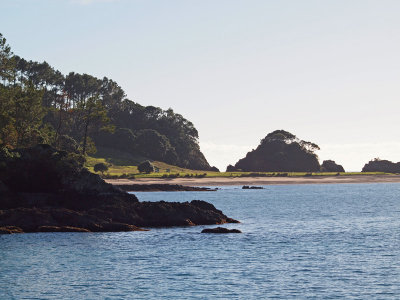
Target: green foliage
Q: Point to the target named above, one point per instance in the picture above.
(146, 167)
(67, 143)
(151, 144)
(122, 139)
(100, 167)
(89, 148)
(280, 151)
(38, 104)
(6, 61)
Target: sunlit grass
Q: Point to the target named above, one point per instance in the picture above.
(131, 171)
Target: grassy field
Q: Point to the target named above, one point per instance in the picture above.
(128, 171)
(119, 170)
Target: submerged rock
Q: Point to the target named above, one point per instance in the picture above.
(220, 230)
(246, 187)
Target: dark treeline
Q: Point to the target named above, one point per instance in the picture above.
(79, 112)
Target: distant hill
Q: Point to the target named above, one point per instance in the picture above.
(280, 151)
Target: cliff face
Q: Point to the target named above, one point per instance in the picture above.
(377, 165)
(43, 189)
(281, 151)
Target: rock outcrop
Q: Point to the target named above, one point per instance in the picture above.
(220, 230)
(43, 189)
(162, 187)
(249, 187)
(331, 166)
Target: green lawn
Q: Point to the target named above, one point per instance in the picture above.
(127, 171)
(116, 169)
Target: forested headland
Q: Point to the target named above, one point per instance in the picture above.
(81, 113)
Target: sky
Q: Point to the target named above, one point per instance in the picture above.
(327, 71)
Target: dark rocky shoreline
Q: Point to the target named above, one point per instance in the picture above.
(43, 189)
(162, 188)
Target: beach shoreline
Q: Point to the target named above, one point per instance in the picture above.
(227, 181)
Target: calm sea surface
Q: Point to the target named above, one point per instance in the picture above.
(298, 242)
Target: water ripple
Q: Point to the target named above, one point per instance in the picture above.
(298, 242)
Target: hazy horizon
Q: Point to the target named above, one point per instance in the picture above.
(326, 71)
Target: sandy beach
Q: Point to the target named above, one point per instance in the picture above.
(221, 181)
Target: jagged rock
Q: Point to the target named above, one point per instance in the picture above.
(220, 230)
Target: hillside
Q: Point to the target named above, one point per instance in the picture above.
(79, 113)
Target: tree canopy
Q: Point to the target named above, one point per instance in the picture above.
(280, 151)
(40, 104)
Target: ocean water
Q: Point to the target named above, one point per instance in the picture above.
(337, 241)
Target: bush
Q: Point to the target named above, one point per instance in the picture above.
(100, 167)
(201, 175)
(146, 167)
(230, 168)
(67, 143)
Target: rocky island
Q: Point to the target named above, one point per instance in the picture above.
(280, 151)
(44, 189)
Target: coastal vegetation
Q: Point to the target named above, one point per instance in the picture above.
(84, 114)
(280, 151)
(50, 123)
(93, 120)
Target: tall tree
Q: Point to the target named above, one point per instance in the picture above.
(94, 117)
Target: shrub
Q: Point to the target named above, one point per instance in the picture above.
(100, 167)
(230, 168)
(201, 175)
(174, 175)
(146, 167)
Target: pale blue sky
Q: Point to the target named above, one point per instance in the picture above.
(327, 71)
